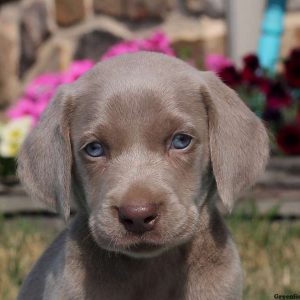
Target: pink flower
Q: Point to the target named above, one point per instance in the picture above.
(39, 91)
(43, 85)
(76, 69)
(23, 107)
(120, 48)
(158, 42)
(27, 107)
(216, 62)
(39, 108)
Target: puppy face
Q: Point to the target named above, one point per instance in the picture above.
(136, 137)
(155, 151)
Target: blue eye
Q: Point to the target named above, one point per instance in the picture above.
(181, 141)
(94, 149)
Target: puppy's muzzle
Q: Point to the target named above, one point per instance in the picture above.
(138, 218)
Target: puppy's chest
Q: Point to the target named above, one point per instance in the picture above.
(140, 283)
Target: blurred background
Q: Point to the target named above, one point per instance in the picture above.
(253, 45)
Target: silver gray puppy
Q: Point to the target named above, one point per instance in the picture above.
(144, 144)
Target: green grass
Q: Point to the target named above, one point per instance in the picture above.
(22, 240)
(270, 253)
(270, 256)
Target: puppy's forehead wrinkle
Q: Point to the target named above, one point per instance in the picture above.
(135, 95)
(140, 115)
(138, 84)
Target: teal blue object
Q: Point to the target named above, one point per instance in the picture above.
(270, 39)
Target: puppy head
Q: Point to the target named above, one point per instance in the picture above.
(134, 141)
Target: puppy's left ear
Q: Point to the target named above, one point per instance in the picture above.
(45, 159)
(238, 141)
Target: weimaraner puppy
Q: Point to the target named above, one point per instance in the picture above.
(144, 144)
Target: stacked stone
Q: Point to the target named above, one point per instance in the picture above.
(38, 36)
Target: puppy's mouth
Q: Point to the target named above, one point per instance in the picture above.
(143, 250)
(143, 247)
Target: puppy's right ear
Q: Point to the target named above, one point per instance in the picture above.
(45, 159)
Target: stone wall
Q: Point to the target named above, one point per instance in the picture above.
(45, 35)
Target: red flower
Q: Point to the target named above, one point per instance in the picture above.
(264, 84)
(288, 139)
(292, 69)
(251, 61)
(251, 68)
(277, 95)
(271, 114)
(298, 117)
(230, 76)
(253, 74)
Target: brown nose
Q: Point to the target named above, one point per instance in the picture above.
(139, 218)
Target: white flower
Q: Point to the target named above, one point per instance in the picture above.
(13, 134)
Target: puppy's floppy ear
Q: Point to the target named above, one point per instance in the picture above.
(44, 163)
(238, 140)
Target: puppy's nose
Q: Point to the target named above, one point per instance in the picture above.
(138, 218)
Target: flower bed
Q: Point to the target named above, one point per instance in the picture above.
(37, 94)
(273, 97)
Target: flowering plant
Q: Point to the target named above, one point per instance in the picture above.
(273, 97)
(41, 89)
(37, 94)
